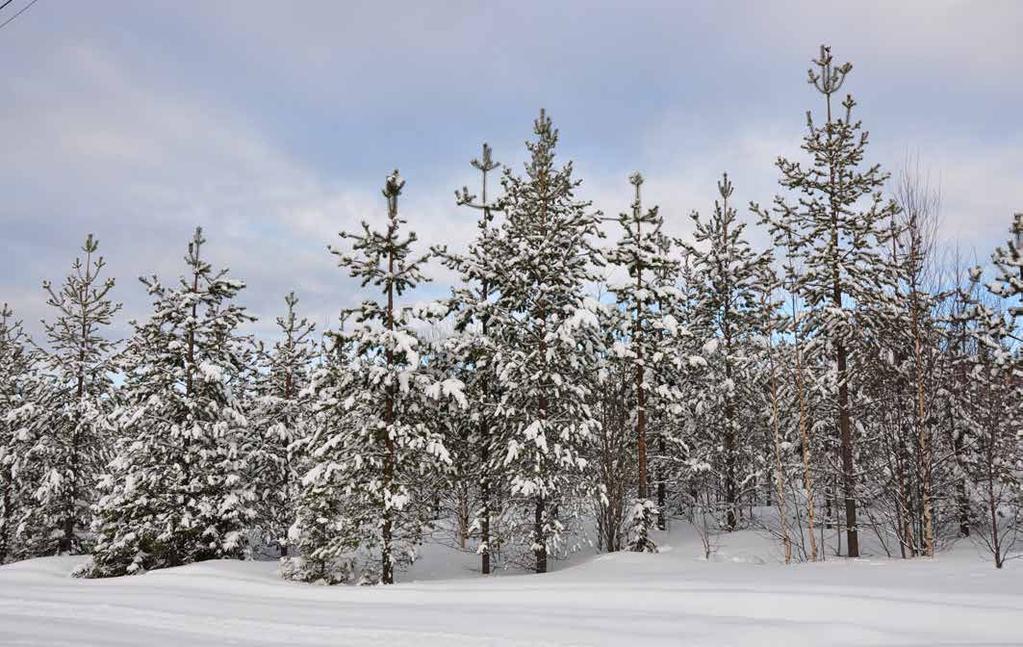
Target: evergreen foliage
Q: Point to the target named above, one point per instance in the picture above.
(564, 392)
(176, 491)
(376, 442)
(281, 424)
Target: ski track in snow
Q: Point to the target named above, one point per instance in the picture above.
(671, 598)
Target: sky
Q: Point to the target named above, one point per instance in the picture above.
(273, 125)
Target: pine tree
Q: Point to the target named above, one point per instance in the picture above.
(326, 538)
(548, 336)
(837, 223)
(176, 491)
(613, 452)
(644, 253)
(471, 301)
(281, 424)
(1008, 264)
(458, 493)
(74, 401)
(17, 375)
(376, 441)
(730, 319)
(997, 463)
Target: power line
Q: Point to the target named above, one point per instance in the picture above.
(21, 11)
(5, 4)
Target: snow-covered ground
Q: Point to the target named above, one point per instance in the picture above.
(740, 597)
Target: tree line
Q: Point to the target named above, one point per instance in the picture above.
(843, 385)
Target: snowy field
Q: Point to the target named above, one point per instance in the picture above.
(741, 597)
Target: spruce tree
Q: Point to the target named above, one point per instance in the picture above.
(176, 491)
(837, 224)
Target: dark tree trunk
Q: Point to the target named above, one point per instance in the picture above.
(848, 470)
(485, 503)
(540, 542)
(661, 494)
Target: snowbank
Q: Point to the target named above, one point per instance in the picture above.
(740, 597)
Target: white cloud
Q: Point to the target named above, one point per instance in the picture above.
(141, 166)
(131, 139)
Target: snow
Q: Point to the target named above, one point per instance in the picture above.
(742, 596)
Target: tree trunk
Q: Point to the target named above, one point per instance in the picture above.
(804, 435)
(637, 340)
(731, 488)
(779, 471)
(5, 524)
(485, 445)
(731, 498)
(661, 493)
(540, 539)
(387, 561)
(848, 469)
(485, 511)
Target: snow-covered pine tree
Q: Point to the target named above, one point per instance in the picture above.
(994, 459)
(1008, 264)
(18, 374)
(326, 539)
(613, 451)
(457, 493)
(644, 253)
(682, 458)
(375, 442)
(673, 361)
(176, 491)
(837, 223)
(70, 425)
(731, 321)
(280, 421)
(997, 460)
(471, 301)
(548, 338)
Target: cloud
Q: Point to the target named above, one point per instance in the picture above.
(980, 188)
(140, 167)
(274, 128)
